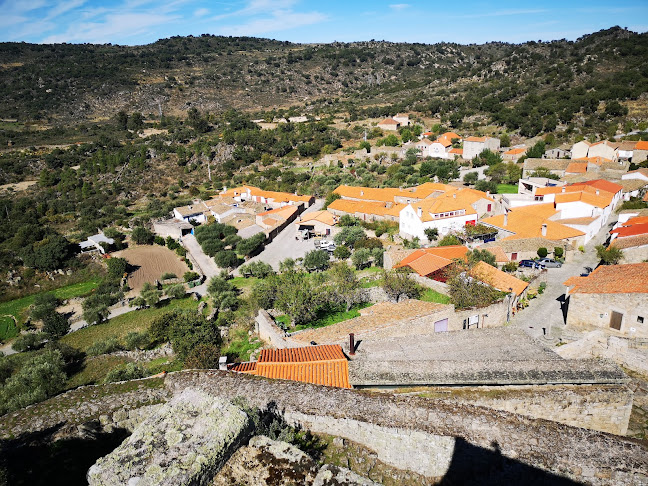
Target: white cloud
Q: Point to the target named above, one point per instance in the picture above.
(201, 12)
(280, 20)
(503, 13)
(399, 6)
(63, 7)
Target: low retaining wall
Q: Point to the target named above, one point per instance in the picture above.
(270, 333)
(479, 436)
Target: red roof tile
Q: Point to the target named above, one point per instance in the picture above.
(632, 230)
(612, 279)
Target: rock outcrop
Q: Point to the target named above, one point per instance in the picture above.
(186, 441)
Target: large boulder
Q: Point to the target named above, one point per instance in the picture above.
(185, 442)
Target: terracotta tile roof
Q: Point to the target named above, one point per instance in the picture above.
(627, 145)
(612, 279)
(458, 151)
(525, 224)
(598, 160)
(500, 254)
(577, 168)
(325, 217)
(371, 193)
(515, 151)
(377, 318)
(591, 199)
(389, 121)
(443, 141)
(545, 210)
(604, 185)
(636, 220)
(246, 367)
(321, 365)
(630, 241)
(426, 261)
(425, 141)
(442, 205)
(496, 278)
(476, 139)
(450, 136)
(276, 196)
(284, 212)
(366, 207)
(642, 145)
(631, 230)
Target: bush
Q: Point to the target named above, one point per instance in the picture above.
(542, 252)
(29, 342)
(180, 251)
(610, 256)
(369, 243)
(39, 378)
(348, 220)
(342, 252)
(398, 283)
(542, 287)
(256, 269)
(190, 276)
(431, 233)
(203, 357)
(558, 252)
(168, 276)
(44, 305)
(510, 267)
(117, 267)
(137, 340)
(449, 240)
(158, 240)
(176, 291)
(189, 330)
(104, 346)
(132, 371)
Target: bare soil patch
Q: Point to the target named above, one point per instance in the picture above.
(17, 186)
(151, 262)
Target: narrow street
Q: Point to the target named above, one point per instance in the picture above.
(543, 318)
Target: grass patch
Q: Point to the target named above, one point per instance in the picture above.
(18, 307)
(135, 321)
(507, 189)
(240, 348)
(431, 295)
(331, 318)
(95, 369)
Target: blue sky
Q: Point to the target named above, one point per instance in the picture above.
(134, 22)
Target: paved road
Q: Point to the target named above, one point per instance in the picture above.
(205, 262)
(546, 310)
(285, 245)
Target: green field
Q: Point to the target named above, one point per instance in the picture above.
(18, 307)
(431, 295)
(135, 321)
(507, 189)
(329, 318)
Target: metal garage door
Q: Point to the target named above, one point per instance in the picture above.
(441, 326)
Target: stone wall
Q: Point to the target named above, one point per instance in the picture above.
(635, 254)
(495, 315)
(596, 309)
(582, 455)
(605, 408)
(431, 284)
(270, 333)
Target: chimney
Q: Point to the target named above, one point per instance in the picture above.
(598, 192)
(506, 219)
(419, 212)
(222, 363)
(362, 193)
(544, 229)
(454, 195)
(487, 193)
(352, 344)
(563, 188)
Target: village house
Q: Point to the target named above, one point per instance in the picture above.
(366, 210)
(514, 154)
(554, 166)
(502, 281)
(557, 153)
(271, 198)
(389, 124)
(631, 237)
(433, 262)
(633, 188)
(320, 365)
(534, 222)
(318, 223)
(640, 152)
(604, 149)
(96, 242)
(640, 174)
(524, 248)
(402, 119)
(274, 220)
(625, 149)
(473, 146)
(196, 212)
(612, 297)
(580, 149)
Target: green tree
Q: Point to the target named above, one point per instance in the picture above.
(142, 236)
(56, 325)
(316, 260)
(398, 283)
(331, 196)
(342, 252)
(175, 291)
(44, 305)
(117, 267)
(361, 258)
(537, 151)
(505, 140)
(251, 245)
(486, 186)
(558, 252)
(610, 256)
(223, 294)
(477, 255)
(471, 177)
(349, 235)
(449, 240)
(344, 285)
(348, 220)
(542, 252)
(287, 265)
(38, 379)
(29, 342)
(226, 259)
(188, 330)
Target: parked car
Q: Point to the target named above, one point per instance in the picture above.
(530, 264)
(586, 272)
(550, 263)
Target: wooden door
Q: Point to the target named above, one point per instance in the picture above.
(615, 320)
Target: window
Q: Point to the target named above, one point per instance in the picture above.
(513, 257)
(539, 198)
(490, 206)
(640, 319)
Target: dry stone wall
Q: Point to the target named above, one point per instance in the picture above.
(582, 455)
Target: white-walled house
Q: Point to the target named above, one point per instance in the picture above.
(580, 149)
(641, 174)
(193, 212)
(415, 218)
(473, 146)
